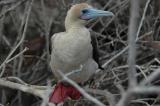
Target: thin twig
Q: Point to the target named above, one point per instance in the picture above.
(22, 38)
(142, 19)
(109, 97)
(17, 55)
(151, 77)
(12, 8)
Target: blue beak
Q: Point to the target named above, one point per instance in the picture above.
(89, 13)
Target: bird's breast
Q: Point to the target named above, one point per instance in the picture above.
(74, 47)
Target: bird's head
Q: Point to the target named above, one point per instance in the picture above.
(80, 13)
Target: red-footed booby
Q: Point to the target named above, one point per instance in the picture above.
(73, 50)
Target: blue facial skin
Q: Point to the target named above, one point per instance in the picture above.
(90, 13)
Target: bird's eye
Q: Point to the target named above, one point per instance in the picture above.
(84, 11)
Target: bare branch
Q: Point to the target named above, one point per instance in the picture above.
(142, 19)
(23, 88)
(17, 55)
(109, 97)
(22, 38)
(81, 90)
(131, 39)
(151, 77)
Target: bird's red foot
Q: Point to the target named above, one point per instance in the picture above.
(62, 92)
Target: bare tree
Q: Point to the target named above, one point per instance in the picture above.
(128, 43)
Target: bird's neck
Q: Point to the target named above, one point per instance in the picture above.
(71, 24)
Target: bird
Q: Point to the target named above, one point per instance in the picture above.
(74, 49)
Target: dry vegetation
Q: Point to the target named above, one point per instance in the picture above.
(26, 27)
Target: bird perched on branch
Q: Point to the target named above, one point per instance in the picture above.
(73, 50)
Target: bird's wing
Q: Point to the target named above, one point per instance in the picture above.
(96, 56)
(52, 39)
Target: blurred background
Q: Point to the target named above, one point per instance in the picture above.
(26, 27)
